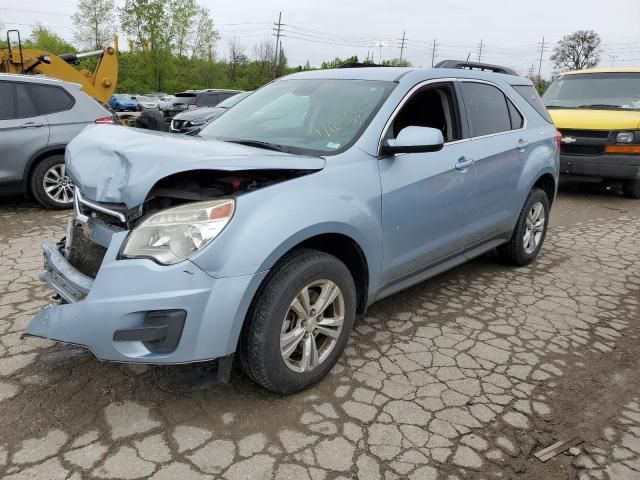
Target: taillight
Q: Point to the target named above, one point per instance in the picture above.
(105, 120)
(558, 139)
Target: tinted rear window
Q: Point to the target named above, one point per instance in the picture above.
(51, 99)
(487, 109)
(15, 101)
(529, 93)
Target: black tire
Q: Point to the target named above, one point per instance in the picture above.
(514, 252)
(259, 348)
(37, 183)
(151, 119)
(631, 188)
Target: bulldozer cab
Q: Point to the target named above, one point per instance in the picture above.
(100, 84)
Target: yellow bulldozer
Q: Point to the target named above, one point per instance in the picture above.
(100, 84)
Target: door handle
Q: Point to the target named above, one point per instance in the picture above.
(32, 125)
(522, 143)
(464, 163)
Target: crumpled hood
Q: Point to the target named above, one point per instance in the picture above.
(117, 164)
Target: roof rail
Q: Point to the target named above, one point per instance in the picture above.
(359, 65)
(466, 65)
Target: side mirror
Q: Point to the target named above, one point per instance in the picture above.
(414, 140)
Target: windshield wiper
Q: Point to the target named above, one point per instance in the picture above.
(603, 106)
(258, 144)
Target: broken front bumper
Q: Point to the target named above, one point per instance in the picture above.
(138, 311)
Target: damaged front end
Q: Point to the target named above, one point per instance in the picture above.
(143, 304)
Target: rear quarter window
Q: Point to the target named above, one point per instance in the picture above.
(529, 93)
(52, 99)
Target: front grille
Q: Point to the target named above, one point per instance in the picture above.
(585, 133)
(585, 142)
(582, 149)
(85, 255)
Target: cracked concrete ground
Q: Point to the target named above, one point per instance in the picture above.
(461, 377)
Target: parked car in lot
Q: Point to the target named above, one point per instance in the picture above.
(197, 99)
(598, 113)
(146, 103)
(121, 102)
(38, 117)
(311, 199)
(192, 120)
(165, 102)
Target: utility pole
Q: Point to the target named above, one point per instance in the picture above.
(277, 51)
(541, 54)
(434, 49)
(613, 59)
(402, 44)
(380, 45)
(480, 48)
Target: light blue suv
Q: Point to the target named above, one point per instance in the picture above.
(318, 195)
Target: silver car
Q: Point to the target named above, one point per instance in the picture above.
(38, 117)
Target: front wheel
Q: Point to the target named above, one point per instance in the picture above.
(530, 232)
(299, 323)
(631, 188)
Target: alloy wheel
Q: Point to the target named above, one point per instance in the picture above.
(312, 326)
(534, 228)
(57, 185)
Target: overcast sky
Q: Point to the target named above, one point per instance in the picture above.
(509, 29)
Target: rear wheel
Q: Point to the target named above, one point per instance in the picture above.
(50, 184)
(530, 232)
(631, 188)
(299, 323)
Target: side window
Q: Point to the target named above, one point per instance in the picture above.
(7, 104)
(486, 107)
(529, 93)
(433, 106)
(15, 101)
(52, 99)
(517, 120)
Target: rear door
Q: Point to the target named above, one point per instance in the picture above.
(65, 116)
(498, 142)
(23, 130)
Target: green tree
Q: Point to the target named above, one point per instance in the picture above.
(396, 62)
(94, 23)
(577, 51)
(49, 41)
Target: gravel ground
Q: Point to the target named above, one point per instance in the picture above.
(461, 377)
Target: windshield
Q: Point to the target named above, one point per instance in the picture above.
(120, 96)
(313, 117)
(595, 90)
(143, 98)
(185, 98)
(231, 101)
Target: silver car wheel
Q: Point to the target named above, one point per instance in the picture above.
(57, 185)
(534, 228)
(312, 326)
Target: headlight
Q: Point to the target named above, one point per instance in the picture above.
(173, 235)
(197, 123)
(624, 137)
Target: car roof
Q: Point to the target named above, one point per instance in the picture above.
(604, 70)
(396, 74)
(19, 77)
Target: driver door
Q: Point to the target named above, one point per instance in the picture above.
(427, 198)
